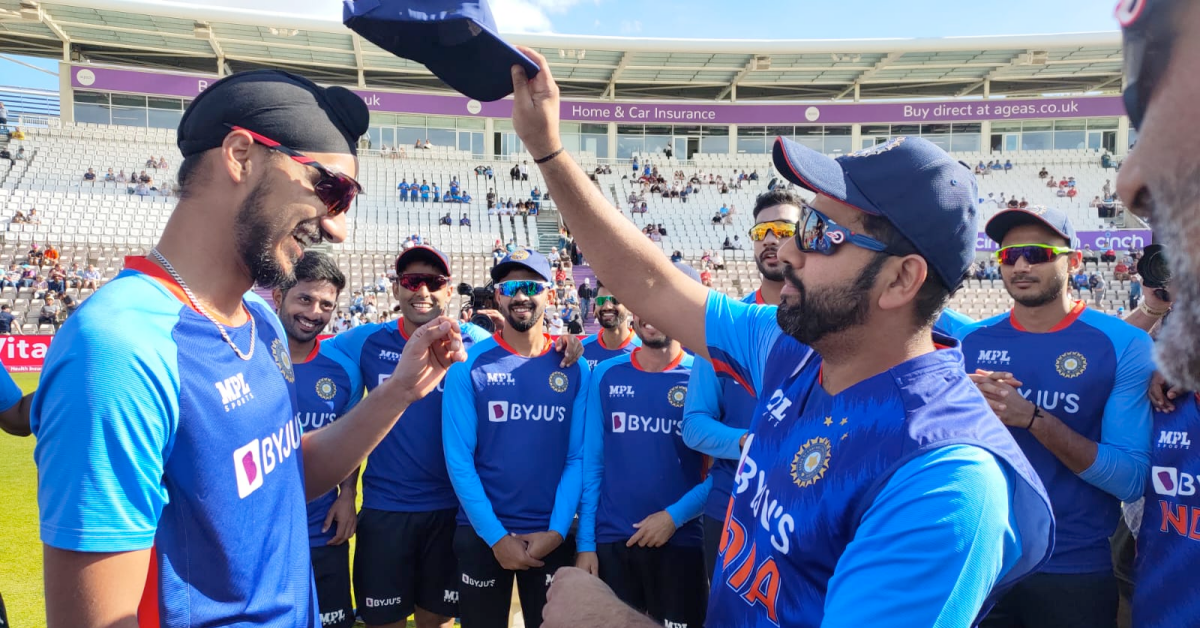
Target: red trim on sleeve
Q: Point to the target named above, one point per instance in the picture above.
(147, 613)
(722, 367)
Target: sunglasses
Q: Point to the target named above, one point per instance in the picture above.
(336, 190)
(605, 300)
(523, 286)
(1150, 35)
(782, 229)
(817, 233)
(1032, 253)
(413, 281)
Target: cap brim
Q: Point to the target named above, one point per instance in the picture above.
(1000, 224)
(816, 172)
(481, 68)
(423, 254)
(500, 270)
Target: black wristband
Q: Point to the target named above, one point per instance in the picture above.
(1037, 412)
(549, 157)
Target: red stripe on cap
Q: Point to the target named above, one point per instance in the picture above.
(147, 612)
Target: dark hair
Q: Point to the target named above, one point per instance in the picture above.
(778, 196)
(316, 266)
(188, 176)
(933, 294)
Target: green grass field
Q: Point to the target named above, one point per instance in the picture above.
(21, 550)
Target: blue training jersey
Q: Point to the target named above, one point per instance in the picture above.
(904, 477)
(1091, 371)
(716, 416)
(407, 471)
(595, 352)
(635, 461)
(513, 438)
(327, 386)
(10, 393)
(950, 322)
(1168, 545)
(152, 432)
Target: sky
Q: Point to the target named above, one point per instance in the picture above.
(713, 19)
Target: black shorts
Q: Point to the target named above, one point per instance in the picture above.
(331, 570)
(713, 529)
(404, 560)
(1058, 600)
(668, 583)
(486, 587)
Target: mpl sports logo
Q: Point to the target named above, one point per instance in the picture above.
(389, 356)
(1168, 439)
(993, 356)
(621, 392)
(501, 379)
(235, 392)
(255, 460)
(1171, 482)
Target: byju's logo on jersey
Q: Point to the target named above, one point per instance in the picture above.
(1170, 482)
(677, 395)
(235, 392)
(1070, 364)
(618, 422)
(247, 466)
(1173, 440)
(498, 411)
(501, 379)
(559, 381)
(255, 460)
(623, 392)
(993, 356)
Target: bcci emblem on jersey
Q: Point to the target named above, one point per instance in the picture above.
(558, 381)
(811, 462)
(1070, 364)
(280, 353)
(326, 389)
(677, 395)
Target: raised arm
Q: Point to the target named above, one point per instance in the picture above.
(657, 291)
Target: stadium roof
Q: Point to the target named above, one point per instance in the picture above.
(169, 35)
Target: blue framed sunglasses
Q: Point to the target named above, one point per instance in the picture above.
(526, 287)
(817, 233)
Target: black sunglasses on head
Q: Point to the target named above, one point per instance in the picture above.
(336, 190)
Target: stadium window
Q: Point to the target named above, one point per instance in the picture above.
(1102, 124)
(1037, 140)
(838, 145)
(129, 116)
(965, 143)
(906, 129)
(92, 114)
(752, 140)
(594, 143)
(163, 119)
(876, 129)
(630, 145)
(838, 130)
(779, 131)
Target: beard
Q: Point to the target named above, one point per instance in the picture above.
(1177, 351)
(536, 312)
(260, 230)
(1052, 292)
(293, 331)
(827, 310)
(614, 323)
(656, 343)
(768, 274)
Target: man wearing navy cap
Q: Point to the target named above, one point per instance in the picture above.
(876, 487)
(1070, 383)
(169, 445)
(513, 420)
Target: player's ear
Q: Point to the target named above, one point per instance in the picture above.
(902, 278)
(277, 297)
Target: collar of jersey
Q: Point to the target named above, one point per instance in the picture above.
(312, 354)
(546, 349)
(758, 297)
(633, 359)
(600, 340)
(1066, 321)
(138, 263)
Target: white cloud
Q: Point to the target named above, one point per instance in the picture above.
(521, 16)
(629, 28)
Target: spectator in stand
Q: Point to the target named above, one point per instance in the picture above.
(16, 134)
(706, 278)
(56, 280)
(424, 191)
(1089, 255)
(1095, 203)
(34, 255)
(1097, 284)
(90, 176)
(524, 170)
(142, 189)
(464, 221)
(48, 315)
(69, 305)
(8, 325)
(32, 217)
(402, 188)
(50, 255)
(1121, 272)
(29, 276)
(1007, 165)
(20, 153)
(109, 177)
(91, 278)
(152, 163)
(6, 154)
(1080, 281)
(162, 163)
(1135, 291)
(1107, 189)
(491, 198)
(1013, 202)
(10, 277)
(1071, 192)
(677, 256)
(1061, 193)
(1050, 183)
(446, 220)
(1109, 256)
(1070, 182)
(145, 178)
(1023, 204)
(122, 177)
(437, 193)
(1062, 183)
(586, 294)
(3, 117)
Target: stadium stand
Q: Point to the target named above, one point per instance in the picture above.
(99, 222)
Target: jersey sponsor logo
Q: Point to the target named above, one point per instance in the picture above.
(625, 422)
(1174, 440)
(1050, 400)
(333, 618)
(313, 420)
(674, 624)
(389, 356)
(235, 392)
(993, 356)
(749, 570)
(502, 411)
(1071, 364)
(620, 391)
(279, 353)
(1171, 482)
(255, 460)
(559, 382)
(326, 389)
(768, 512)
(618, 422)
(450, 596)
(549, 579)
(592, 364)
(497, 411)
(811, 461)
(478, 584)
(777, 407)
(506, 379)
(677, 395)
(381, 602)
